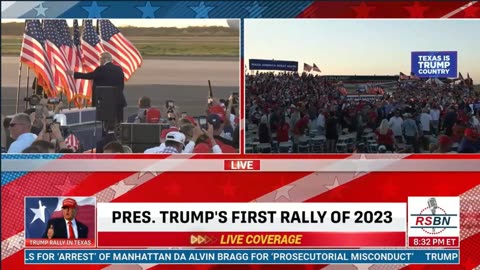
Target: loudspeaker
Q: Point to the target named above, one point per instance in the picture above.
(106, 100)
(141, 136)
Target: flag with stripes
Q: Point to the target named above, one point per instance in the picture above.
(307, 67)
(315, 68)
(33, 55)
(58, 60)
(72, 142)
(91, 47)
(72, 52)
(84, 87)
(413, 76)
(123, 52)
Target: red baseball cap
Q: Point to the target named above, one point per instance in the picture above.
(444, 140)
(191, 119)
(69, 203)
(471, 133)
(166, 131)
(217, 109)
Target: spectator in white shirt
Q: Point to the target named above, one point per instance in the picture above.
(20, 131)
(435, 114)
(426, 122)
(396, 123)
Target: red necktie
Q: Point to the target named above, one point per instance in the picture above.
(70, 231)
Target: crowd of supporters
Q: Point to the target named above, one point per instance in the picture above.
(41, 129)
(291, 112)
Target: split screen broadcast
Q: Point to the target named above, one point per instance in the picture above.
(311, 86)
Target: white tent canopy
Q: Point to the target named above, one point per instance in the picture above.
(434, 80)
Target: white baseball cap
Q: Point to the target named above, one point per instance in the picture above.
(175, 136)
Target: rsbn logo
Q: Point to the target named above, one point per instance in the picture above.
(433, 219)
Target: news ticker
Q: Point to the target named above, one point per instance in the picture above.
(242, 256)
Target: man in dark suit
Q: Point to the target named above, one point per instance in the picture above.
(107, 74)
(66, 227)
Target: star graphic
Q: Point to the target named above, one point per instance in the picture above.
(202, 10)
(140, 174)
(255, 10)
(174, 188)
(65, 187)
(147, 10)
(228, 189)
(417, 10)
(39, 212)
(40, 10)
(469, 264)
(359, 170)
(333, 185)
(120, 188)
(363, 266)
(363, 11)
(284, 192)
(471, 12)
(94, 11)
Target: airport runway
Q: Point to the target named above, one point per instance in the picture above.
(183, 79)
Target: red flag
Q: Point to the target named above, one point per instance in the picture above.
(307, 67)
(123, 52)
(34, 56)
(59, 63)
(315, 68)
(413, 76)
(403, 76)
(91, 47)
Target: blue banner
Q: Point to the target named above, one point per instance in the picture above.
(434, 64)
(242, 256)
(259, 64)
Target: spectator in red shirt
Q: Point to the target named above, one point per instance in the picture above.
(216, 125)
(282, 131)
(385, 135)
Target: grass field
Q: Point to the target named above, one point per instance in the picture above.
(160, 46)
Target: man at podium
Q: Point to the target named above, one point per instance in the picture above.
(107, 74)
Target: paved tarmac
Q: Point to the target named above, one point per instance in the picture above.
(183, 79)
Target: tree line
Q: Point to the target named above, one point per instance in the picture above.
(17, 29)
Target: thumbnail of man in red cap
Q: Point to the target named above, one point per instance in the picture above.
(66, 227)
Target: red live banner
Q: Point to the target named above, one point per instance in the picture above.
(242, 165)
(252, 239)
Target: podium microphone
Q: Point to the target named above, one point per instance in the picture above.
(432, 204)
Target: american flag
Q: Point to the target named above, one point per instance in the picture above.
(307, 67)
(72, 52)
(123, 52)
(72, 142)
(34, 56)
(413, 76)
(58, 60)
(83, 86)
(315, 68)
(91, 47)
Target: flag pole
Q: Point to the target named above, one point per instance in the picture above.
(28, 83)
(18, 88)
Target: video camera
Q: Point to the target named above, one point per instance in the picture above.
(33, 100)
